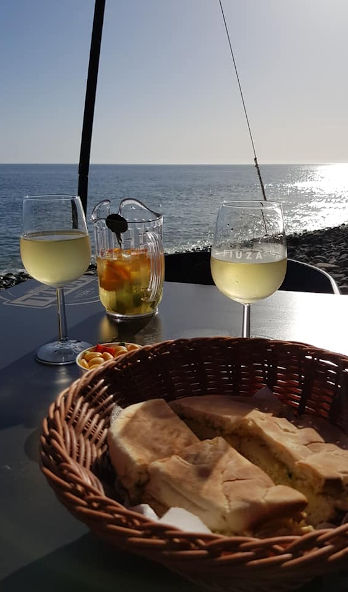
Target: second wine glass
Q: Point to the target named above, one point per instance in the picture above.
(55, 250)
(249, 256)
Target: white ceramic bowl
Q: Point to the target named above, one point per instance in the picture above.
(89, 358)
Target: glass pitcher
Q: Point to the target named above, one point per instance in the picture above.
(130, 259)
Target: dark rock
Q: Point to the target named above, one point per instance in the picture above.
(327, 266)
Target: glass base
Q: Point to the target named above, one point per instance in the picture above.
(62, 352)
(259, 336)
(124, 317)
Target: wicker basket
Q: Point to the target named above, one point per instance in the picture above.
(75, 459)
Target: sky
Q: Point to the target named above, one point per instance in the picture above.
(167, 90)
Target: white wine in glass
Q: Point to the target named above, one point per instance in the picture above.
(249, 256)
(55, 250)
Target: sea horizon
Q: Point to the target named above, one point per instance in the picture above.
(324, 163)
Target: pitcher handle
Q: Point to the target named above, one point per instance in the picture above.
(156, 261)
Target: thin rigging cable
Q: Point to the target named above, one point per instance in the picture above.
(243, 103)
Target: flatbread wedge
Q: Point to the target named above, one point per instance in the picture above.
(141, 433)
(228, 493)
(290, 455)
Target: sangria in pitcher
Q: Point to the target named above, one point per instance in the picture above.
(130, 259)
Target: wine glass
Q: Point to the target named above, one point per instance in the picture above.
(248, 255)
(55, 250)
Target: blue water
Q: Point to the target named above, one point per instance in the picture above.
(313, 196)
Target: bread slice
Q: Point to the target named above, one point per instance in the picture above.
(228, 493)
(141, 433)
(297, 457)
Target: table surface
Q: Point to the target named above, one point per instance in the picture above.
(43, 547)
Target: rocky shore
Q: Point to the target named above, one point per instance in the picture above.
(327, 249)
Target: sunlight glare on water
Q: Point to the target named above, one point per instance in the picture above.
(323, 193)
(327, 179)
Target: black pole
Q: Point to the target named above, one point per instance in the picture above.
(85, 150)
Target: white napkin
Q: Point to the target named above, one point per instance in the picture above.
(177, 517)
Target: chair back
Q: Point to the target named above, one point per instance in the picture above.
(193, 267)
(302, 277)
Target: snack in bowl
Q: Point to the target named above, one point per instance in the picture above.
(102, 352)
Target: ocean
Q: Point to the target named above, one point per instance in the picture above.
(188, 196)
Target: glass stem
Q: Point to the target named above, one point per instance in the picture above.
(62, 327)
(246, 320)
